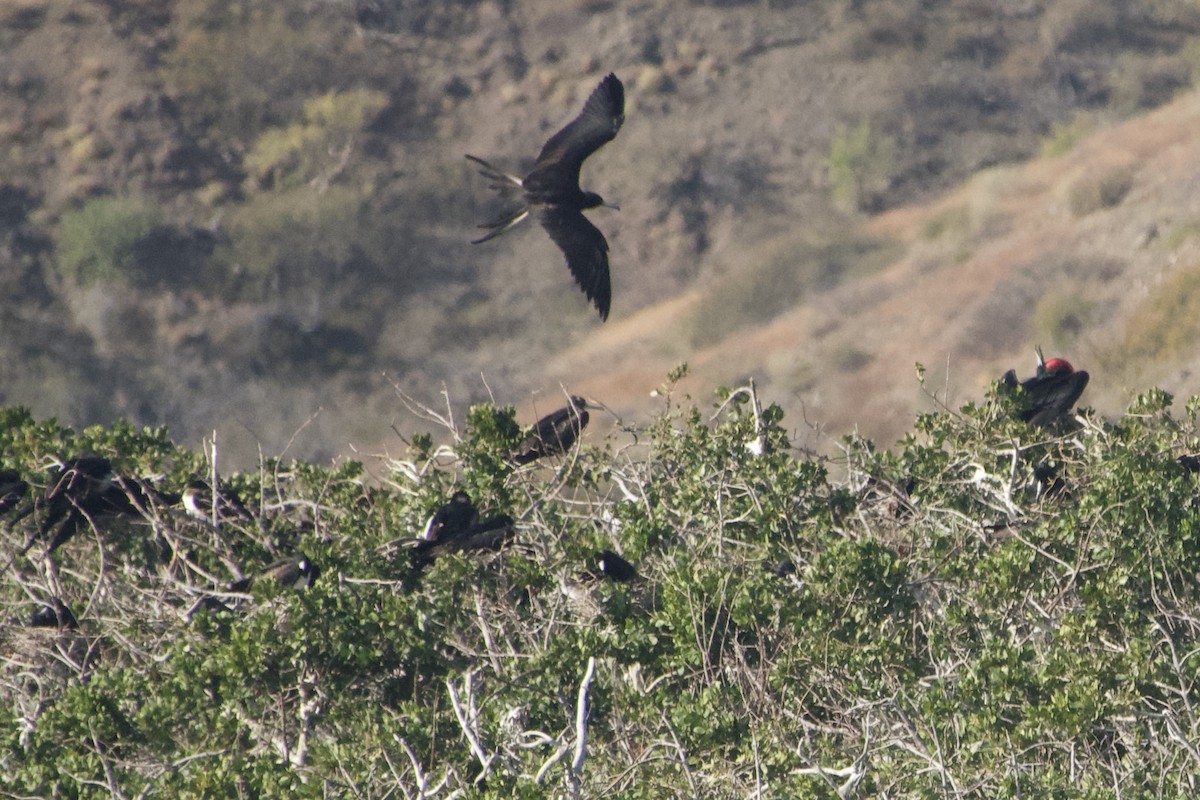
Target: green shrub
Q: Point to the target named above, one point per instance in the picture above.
(1062, 315)
(96, 242)
(956, 221)
(292, 155)
(1065, 134)
(862, 162)
(242, 66)
(1019, 596)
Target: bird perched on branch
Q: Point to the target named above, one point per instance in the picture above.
(554, 433)
(12, 489)
(489, 534)
(83, 488)
(294, 572)
(1049, 394)
(551, 191)
(198, 503)
(451, 519)
(53, 614)
(613, 567)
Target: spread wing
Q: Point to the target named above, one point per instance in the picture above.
(564, 153)
(1051, 396)
(586, 250)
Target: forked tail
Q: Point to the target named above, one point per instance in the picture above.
(501, 181)
(508, 186)
(503, 223)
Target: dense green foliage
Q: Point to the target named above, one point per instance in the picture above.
(987, 610)
(98, 240)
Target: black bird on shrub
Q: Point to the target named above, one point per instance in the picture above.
(53, 614)
(554, 433)
(451, 519)
(12, 489)
(198, 503)
(1049, 394)
(489, 535)
(782, 568)
(551, 190)
(82, 488)
(614, 567)
(294, 572)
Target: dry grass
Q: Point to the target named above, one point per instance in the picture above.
(1091, 194)
(772, 277)
(1165, 326)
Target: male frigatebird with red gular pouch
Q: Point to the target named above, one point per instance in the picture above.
(1050, 393)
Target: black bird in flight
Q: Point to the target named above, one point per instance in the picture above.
(554, 433)
(1050, 393)
(551, 190)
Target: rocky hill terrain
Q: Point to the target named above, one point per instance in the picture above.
(254, 218)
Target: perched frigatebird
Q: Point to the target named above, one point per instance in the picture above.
(12, 489)
(1050, 393)
(614, 567)
(293, 572)
(451, 519)
(551, 190)
(198, 503)
(554, 433)
(83, 487)
(489, 534)
(53, 614)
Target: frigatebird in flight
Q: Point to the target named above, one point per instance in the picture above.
(551, 191)
(1050, 393)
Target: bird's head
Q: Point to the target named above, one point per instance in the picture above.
(593, 200)
(1056, 366)
(1052, 366)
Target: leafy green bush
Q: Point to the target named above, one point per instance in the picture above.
(97, 241)
(862, 162)
(1065, 134)
(984, 609)
(304, 150)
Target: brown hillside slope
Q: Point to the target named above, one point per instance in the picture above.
(986, 270)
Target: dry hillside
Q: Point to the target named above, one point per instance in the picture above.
(253, 217)
(1017, 255)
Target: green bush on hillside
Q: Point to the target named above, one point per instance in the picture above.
(319, 144)
(984, 609)
(862, 163)
(97, 241)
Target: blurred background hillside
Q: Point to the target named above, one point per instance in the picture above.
(255, 216)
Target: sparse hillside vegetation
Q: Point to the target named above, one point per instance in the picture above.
(988, 610)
